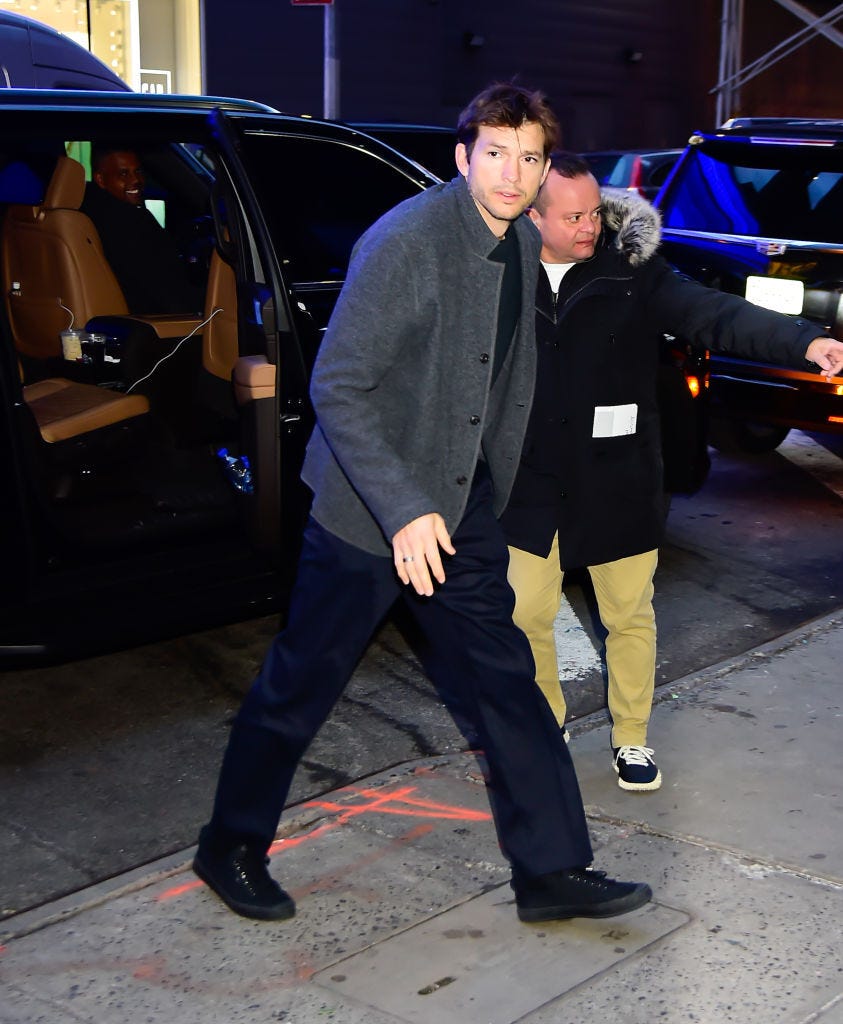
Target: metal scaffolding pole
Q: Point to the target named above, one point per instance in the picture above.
(731, 40)
(331, 68)
(731, 75)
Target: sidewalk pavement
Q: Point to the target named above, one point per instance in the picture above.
(405, 914)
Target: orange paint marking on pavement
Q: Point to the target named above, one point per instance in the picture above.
(290, 842)
(340, 879)
(303, 966)
(399, 802)
(156, 969)
(179, 890)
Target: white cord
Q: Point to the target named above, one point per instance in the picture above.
(163, 359)
(72, 317)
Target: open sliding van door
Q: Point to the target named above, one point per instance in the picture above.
(267, 373)
(305, 192)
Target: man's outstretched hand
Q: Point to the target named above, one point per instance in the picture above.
(827, 354)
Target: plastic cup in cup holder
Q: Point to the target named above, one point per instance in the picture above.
(71, 345)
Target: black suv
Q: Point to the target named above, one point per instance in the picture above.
(152, 461)
(756, 209)
(430, 145)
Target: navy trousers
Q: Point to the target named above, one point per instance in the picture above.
(476, 657)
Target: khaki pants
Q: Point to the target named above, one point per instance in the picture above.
(624, 591)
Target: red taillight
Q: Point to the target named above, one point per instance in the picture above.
(635, 177)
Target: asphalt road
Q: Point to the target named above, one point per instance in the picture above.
(110, 762)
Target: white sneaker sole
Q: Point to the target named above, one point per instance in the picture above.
(639, 787)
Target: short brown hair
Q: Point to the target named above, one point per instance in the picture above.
(505, 105)
(568, 165)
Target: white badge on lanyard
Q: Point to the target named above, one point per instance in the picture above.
(614, 420)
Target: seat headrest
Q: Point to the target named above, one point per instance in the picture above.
(19, 184)
(67, 186)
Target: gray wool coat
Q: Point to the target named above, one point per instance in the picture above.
(402, 383)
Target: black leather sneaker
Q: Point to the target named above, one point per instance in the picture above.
(577, 892)
(240, 879)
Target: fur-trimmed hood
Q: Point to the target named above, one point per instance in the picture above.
(635, 225)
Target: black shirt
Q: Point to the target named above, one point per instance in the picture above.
(509, 307)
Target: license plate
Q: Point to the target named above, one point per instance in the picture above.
(775, 293)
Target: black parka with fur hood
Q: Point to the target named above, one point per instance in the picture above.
(598, 345)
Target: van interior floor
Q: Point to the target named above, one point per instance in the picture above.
(144, 498)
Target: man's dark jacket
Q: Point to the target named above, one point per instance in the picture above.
(598, 345)
(142, 255)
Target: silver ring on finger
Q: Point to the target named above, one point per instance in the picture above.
(408, 558)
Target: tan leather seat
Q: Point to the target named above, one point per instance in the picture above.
(65, 409)
(52, 254)
(219, 335)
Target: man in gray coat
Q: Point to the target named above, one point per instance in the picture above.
(422, 390)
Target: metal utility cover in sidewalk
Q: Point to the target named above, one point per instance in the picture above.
(478, 963)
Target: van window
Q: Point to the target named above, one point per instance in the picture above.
(318, 197)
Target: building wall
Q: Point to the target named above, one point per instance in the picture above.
(620, 73)
(169, 42)
(157, 35)
(807, 83)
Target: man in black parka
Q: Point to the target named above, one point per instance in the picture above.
(589, 491)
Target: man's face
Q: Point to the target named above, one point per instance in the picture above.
(504, 172)
(121, 175)
(571, 222)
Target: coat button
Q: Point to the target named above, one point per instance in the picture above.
(484, 357)
(474, 421)
(462, 480)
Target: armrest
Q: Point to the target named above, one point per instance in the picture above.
(170, 325)
(254, 378)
